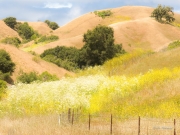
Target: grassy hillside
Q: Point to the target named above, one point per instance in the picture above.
(133, 27)
(138, 83)
(27, 63)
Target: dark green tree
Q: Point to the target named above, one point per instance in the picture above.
(10, 21)
(6, 64)
(163, 14)
(53, 25)
(99, 46)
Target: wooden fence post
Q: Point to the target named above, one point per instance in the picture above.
(174, 126)
(69, 115)
(89, 121)
(111, 124)
(139, 125)
(72, 116)
(59, 121)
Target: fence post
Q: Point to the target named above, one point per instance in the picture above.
(139, 125)
(89, 121)
(69, 115)
(59, 119)
(72, 116)
(174, 126)
(111, 124)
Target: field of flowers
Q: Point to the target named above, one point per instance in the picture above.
(154, 93)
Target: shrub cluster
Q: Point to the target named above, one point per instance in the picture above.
(24, 30)
(52, 25)
(99, 47)
(66, 57)
(12, 40)
(103, 14)
(163, 14)
(3, 86)
(50, 38)
(6, 69)
(33, 76)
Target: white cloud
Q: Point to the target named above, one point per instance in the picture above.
(57, 5)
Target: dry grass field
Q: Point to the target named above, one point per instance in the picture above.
(50, 125)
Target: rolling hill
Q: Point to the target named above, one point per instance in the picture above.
(27, 62)
(133, 27)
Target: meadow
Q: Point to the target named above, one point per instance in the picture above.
(141, 83)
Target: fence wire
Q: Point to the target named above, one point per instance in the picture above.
(112, 124)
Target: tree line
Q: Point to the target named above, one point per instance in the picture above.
(99, 47)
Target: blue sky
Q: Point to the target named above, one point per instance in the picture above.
(63, 11)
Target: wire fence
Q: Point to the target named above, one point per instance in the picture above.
(112, 124)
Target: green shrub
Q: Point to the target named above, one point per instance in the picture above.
(66, 57)
(174, 44)
(12, 40)
(48, 39)
(26, 32)
(10, 21)
(45, 76)
(52, 25)
(6, 64)
(103, 14)
(3, 86)
(4, 76)
(33, 76)
(28, 77)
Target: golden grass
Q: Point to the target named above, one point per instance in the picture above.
(49, 125)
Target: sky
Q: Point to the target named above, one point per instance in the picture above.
(64, 11)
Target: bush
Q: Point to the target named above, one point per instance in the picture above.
(26, 32)
(12, 40)
(45, 76)
(3, 86)
(6, 64)
(33, 76)
(66, 57)
(52, 25)
(28, 77)
(10, 21)
(50, 38)
(103, 14)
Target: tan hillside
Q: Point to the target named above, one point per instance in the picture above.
(6, 31)
(145, 33)
(41, 27)
(133, 27)
(27, 63)
(68, 42)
